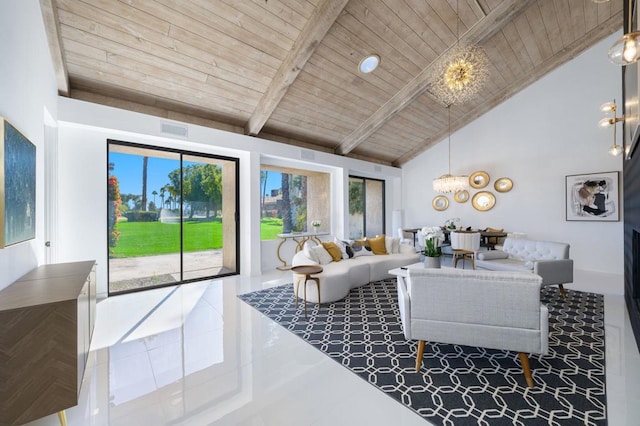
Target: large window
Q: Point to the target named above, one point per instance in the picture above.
(291, 199)
(172, 216)
(366, 207)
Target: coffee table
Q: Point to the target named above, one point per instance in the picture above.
(307, 271)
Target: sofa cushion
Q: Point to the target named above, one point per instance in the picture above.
(342, 245)
(334, 251)
(392, 244)
(323, 256)
(363, 252)
(513, 265)
(491, 254)
(349, 250)
(377, 244)
(300, 259)
(306, 249)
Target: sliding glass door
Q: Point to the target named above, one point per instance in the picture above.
(171, 216)
(366, 207)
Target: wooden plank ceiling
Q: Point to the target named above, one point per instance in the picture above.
(286, 70)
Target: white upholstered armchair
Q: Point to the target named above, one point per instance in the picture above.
(497, 310)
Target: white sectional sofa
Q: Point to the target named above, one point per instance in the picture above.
(548, 259)
(337, 278)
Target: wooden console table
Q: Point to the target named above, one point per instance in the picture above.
(46, 324)
(299, 238)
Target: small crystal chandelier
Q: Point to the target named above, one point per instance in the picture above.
(460, 73)
(450, 183)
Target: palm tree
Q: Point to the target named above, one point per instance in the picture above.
(154, 193)
(286, 206)
(162, 191)
(145, 163)
(264, 176)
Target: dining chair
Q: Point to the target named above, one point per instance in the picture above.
(464, 245)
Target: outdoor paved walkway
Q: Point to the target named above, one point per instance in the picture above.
(196, 264)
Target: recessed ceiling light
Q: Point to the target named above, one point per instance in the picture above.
(369, 63)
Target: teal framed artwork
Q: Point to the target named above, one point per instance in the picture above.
(17, 186)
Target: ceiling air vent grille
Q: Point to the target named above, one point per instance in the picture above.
(174, 129)
(307, 155)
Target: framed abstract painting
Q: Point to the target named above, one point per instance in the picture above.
(593, 197)
(17, 186)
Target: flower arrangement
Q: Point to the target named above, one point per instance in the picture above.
(433, 237)
(316, 223)
(452, 223)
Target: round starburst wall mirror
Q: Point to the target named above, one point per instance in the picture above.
(503, 185)
(483, 201)
(440, 203)
(479, 179)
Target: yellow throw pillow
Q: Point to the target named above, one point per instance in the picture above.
(333, 250)
(377, 245)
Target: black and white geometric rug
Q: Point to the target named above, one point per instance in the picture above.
(459, 385)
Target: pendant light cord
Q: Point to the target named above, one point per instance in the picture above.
(449, 144)
(457, 23)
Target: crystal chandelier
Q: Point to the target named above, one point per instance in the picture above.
(460, 73)
(450, 183)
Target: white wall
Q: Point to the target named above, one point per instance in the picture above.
(27, 89)
(536, 138)
(83, 130)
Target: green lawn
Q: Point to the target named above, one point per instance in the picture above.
(270, 227)
(152, 238)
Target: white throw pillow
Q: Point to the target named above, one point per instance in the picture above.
(307, 249)
(392, 244)
(322, 254)
(342, 246)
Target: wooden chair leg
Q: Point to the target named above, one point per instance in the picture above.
(296, 291)
(562, 291)
(524, 360)
(420, 354)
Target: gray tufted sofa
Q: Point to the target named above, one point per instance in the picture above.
(548, 259)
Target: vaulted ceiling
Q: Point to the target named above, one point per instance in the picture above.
(287, 70)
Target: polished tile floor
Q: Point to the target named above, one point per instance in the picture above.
(196, 355)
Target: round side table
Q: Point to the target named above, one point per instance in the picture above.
(307, 271)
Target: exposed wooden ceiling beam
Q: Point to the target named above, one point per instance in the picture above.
(481, 31)
(52, 28)
(313, 32)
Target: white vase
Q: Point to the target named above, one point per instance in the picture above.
(431, 262)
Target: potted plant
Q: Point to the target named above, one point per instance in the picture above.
(316, 224)
(451, 223)
(433, 237)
